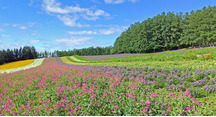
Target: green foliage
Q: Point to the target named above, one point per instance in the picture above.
(24, 53)
(169, 31)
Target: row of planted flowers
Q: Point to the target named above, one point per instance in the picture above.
(20, 65)
(16, 64)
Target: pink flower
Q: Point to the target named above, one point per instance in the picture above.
(142, 102)
(104, 96)
(146, 108)
(148, 102)
(186, 111)
(115, 106)
(90, 102)
(168, 110)
(164, 113)
(118, 98)
(110, 100)
(150, 110)
(48, 110)
(189, 108)
(35, 114)
(161, 106)
(122, 93)
(14, 113)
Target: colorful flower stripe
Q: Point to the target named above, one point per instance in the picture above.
(16, 64)
(75, 59)
(35, 63)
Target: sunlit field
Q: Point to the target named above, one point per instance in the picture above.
(189, 59)
(16, 64)
(63, 86)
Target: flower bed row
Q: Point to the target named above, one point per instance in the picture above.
(16, 64)
(28, 64)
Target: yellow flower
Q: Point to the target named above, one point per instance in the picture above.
(16, 64)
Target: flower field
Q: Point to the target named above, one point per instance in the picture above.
(62, 86)
(190, 59)
(16, 64)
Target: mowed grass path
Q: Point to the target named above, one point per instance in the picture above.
(16, 64)
(189, 59)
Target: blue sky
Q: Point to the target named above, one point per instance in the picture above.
(67, 24)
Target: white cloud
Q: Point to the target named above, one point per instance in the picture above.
(5, 35)
(6, 24)
(34, 41)
(70, 14)
(133, 1)
(112, 30)
(15, 25)
(73, 40)
(82, 32)
(118, 1)
(114, 1)
(22, 27)
(70, 21)
(34, 33)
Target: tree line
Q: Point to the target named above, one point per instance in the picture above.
(85, 51)
(11, 55)
(29, 52)
(169, 31)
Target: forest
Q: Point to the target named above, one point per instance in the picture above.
(24, 53)
(169, 31)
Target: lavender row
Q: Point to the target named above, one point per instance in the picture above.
(200, 83)
(107, 56)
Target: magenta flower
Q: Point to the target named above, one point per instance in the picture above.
(186, 111)
(122, 93)
(164, 113)
(148, 102)
(110, 100)
(146, 107)
(118, 98)
(35, 114)
(161, 106)
(90, 102)
(14, 113)
(116, 106)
